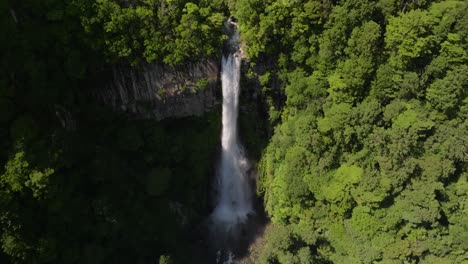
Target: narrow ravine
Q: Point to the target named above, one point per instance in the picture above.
(234, 201)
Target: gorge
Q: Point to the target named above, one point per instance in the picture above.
(234, 199)
(132, 132)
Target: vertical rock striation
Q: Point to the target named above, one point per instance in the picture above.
(158, 91)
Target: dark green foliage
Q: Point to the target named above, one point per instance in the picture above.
(80, 183)
(372, 141)
(97, 198)
(367, 163)
(153, 30)
(129, 138)
(165, 260)
(281, 247)
(23, 128)
(6, 109)
(158, 181)
(445, 94)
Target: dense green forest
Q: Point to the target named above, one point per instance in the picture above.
(80, 183)
(367, 113)
(368, 162)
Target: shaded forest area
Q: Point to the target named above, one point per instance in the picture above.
(80, 183)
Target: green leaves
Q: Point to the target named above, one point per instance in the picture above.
(411, 118)
(170, 31)
(19, 176)
(409, 36)
(418, 204)
(283, 246)
(381, 119)
(348, 82)
(445, 94)
(198, 35)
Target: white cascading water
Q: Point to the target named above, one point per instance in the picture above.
(234, 202)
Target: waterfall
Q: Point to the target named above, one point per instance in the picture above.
(234, 203)
(233, 224)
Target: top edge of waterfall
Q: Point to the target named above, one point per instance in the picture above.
(233, 44)
(233, 21)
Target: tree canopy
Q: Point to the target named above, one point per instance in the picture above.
(367, 101)
(372, 140)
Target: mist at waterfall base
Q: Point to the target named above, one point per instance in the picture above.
(233, 205)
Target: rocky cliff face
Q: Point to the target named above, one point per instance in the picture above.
(157, 91)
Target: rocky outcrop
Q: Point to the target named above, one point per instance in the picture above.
(158, 91)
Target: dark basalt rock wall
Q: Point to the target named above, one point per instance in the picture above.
(158, 91)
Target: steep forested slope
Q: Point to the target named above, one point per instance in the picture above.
(153, 30)
(80, 183)
(368, 163)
